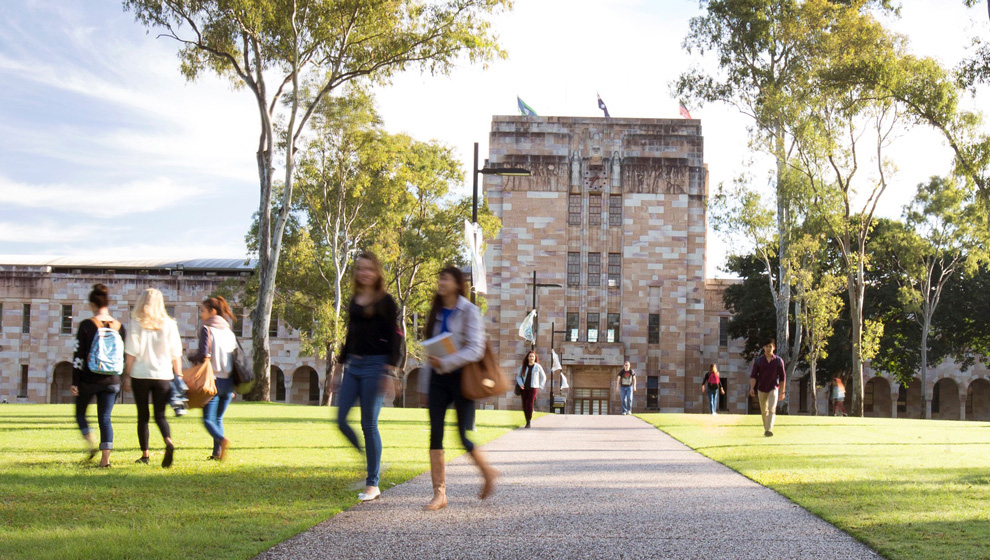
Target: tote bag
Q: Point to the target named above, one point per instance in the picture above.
(202, 384)
(483, 378)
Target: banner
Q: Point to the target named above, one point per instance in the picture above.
(526, 327)
(555, 362)
(475, 241)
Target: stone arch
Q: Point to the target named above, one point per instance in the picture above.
(413, 394)
(945, 400)
(978, 400)
(876, 398)
(61, 381)
(909, 400)
(304, 378)
(277, 379)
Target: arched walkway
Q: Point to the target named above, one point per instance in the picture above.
(278, 385)
(876, 398)
(945, 400)
(61, 381)
(978, 400)
(414, 395)
(909, 400)
(305, 386)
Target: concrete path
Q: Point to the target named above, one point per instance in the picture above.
(581, 487)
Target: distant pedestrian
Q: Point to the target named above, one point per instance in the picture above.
(217, 343)
(838, 397)
(153, 360)
(531, 379)
(627, 386)
(453, 313)
(765, 381)
(105, 356)
(368, 360)
(711, 386)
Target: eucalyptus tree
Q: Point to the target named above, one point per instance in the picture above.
(292, 54)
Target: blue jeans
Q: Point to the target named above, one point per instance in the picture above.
(712, 399)
(214, 409)
(362, 382)
(627, 394)
(105, 395)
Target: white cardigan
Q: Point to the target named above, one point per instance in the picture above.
(537, 380)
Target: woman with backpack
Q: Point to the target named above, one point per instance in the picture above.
(453, 313)
(217, 343)
(711, 385)
(154, 351)
(97, 364)
(367, 359)
(530, 380)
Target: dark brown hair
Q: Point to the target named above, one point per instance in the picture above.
(218, 304)
(100, 296)
(525, 361)
(379, 283)
(458, 276)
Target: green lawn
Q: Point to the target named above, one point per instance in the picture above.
(911, 489)
(289, 468)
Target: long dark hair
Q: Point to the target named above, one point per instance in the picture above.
(525, 360)
(220, 305)
(458, 276)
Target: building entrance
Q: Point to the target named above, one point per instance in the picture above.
(591, 401)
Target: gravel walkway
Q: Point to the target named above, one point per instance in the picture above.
(581, 487)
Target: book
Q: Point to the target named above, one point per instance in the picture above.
(440, 345)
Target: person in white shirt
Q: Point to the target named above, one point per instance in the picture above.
(216, 343)
(152, 359)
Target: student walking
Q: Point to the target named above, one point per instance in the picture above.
(153, 360)
(711, 385)
(370, 350)
(838, 397)
(627, 386)
(531, 379)
(767, 378)
(97, 363)
(217, 343)
(453, 313)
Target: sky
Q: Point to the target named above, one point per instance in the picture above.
(107, 151)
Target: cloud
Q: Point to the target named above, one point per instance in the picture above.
(47, 232)
(100, 201)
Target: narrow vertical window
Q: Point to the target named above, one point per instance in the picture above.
(612, 327)
(273, 327)
(653, 392)
(653, 330)
(22, 387)
(66, 319)
(26, 319)
(723, 332)
(595, 210)
(572, 326)
(573, 270)
(614, 270)
(594, 269)
(238, 321)
(593, 325)
(170, 311)
(615, 211)
(574, 210)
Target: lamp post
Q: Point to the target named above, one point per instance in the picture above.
(553, 332)
(536, 319)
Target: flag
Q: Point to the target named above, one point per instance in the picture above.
(525, 110)
(684, 112)
(563, 382)
(475, 240)
(555, 362)
(601, 105)
(526, 327)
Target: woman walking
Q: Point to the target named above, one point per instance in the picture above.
(711, 385)
(154, 351)
(216, 343)
(838, 397)
(531, 379)
(108, 353)
(371, 349)
(453, 313)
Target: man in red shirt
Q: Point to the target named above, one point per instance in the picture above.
(767, 377)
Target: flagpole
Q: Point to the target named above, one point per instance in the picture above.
(552, 324)
(474, 209)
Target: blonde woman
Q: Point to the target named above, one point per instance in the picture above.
(153, 353)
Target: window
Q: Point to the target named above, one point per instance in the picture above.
(26, 319)
(594, 269)
(22, 388)
(595, 210)
(653, 392)
(614, 270)
(170, 311)
(273, 327)
(66, 319)
(615, 210)
(723, 402)
(612, 327)
(868, 397)
(314, 387)
(593, 324)
(279, 385)
(936, 397)
(574, 210)
(653, 329)
(573, 270)
(572, 327)
(238, 321)
(723, 332)
(902, 399)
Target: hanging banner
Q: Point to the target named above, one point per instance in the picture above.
(475, 241)
(526, 327)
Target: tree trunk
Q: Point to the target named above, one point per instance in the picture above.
(260, 319)
(783, 296)
(791, 365)
(926, 411)
(856, 292)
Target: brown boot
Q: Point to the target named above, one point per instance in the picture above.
(438, 472)
(487, 471)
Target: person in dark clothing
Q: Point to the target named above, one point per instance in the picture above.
(767, 377)
(370, 355)
(531, 379)
(86, 385)
(626, 378)
(711, 385)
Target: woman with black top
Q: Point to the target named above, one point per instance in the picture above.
(369, 356)
(86, 384)
(531, 379)
(453, 313)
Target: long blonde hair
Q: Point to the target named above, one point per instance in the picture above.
(149, 311)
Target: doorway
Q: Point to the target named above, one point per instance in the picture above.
(591, 401)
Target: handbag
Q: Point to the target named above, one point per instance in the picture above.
(483, 378)
(202, 384)
(241, 372)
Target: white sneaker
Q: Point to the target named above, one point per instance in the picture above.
(368, 496)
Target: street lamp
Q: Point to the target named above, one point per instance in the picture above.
(503, 171)
(536, 318)
(553, 332)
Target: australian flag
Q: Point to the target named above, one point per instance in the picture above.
(601, 105)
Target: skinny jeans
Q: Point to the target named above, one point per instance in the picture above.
(106, 396)
(445, 389)
(160, 391)
(362, 383)
(214, 410)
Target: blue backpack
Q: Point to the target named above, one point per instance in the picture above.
(106, 353)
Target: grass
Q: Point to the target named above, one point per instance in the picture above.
(910, 489)
(289, 469)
